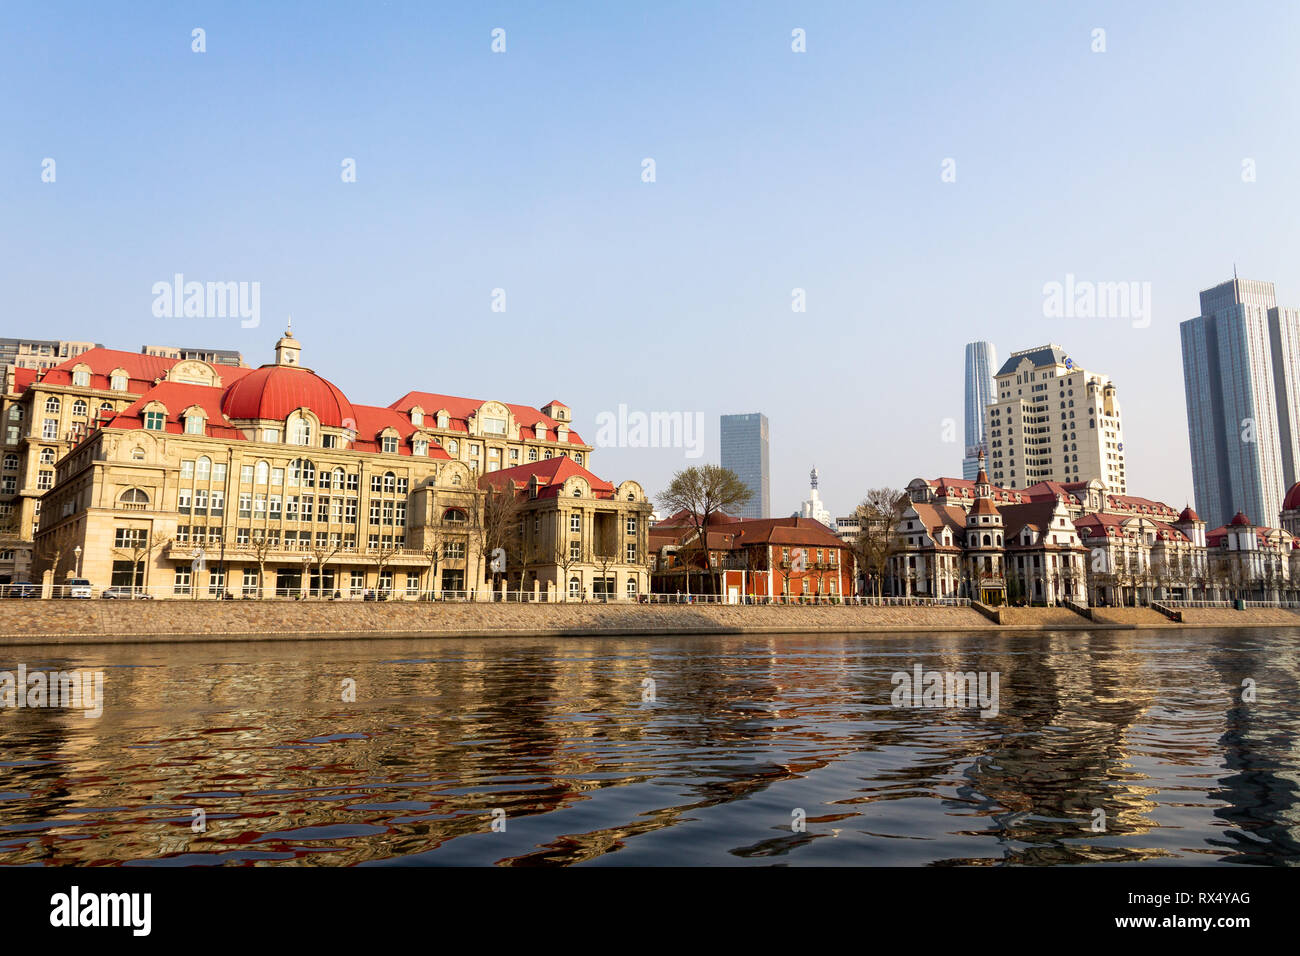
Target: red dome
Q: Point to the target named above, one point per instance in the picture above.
(1189, 515)
(1292, 500)
(1240, 520)
(273, 391)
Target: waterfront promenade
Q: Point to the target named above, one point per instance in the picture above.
(94, 621)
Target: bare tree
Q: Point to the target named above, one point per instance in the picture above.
(702, 493)
(261, 545)
(878, 517)
(138, 552)
(382, 556)
(564, 560)
(321, 553)
(494, 521)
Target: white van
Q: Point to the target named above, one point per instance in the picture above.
(76, 588)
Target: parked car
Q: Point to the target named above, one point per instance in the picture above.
(20, 589)
(73, 588)
(125, 594)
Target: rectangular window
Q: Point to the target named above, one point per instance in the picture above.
(246, 474)
(154, 421)
(201, 499)
(374, 512)
(50, 428)
(631, 554)
(307, 503)
(277, 476)
(45, 479)
(336, 510)
(399, 515)
(183, 502)
(575, 551)
(259, 505)
(350, 511)
(270, 435)
(181, 585)
(274, 506)
(187, 469)
(631, 525)
(218, 503)
(245, 504)
(575, 522)
(291, 508)
(219, 471)
(128, 537)
(242, 536)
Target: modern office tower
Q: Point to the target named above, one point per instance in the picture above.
(981, 359)
(1052, 421)
(1241, 372)
(744, 451)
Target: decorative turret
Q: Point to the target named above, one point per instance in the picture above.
(288, 351)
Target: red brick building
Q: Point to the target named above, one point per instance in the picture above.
(760, 558)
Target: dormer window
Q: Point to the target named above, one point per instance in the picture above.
(442, 420)
(117, 382)
(194, 424)
(388, 444)
(417, 417)
(81, 377)
(300, 430)
(155, 421)
(420, 447)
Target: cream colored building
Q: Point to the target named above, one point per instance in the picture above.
(1053, 421)
(217, 480)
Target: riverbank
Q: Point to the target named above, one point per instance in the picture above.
(82, 622)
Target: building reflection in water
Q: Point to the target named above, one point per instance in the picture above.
(742, 734)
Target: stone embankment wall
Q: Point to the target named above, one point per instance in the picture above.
(98, 621)
(84, 621)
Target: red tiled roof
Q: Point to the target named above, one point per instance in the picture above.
(274, 391)
(372, 420)
(142, 371)
(460, 409)
(177, 398)
(551, 474)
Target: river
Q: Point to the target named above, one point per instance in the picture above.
(1163, 747)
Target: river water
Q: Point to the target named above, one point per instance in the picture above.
(1119, 746)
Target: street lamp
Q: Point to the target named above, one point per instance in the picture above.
(77, 552)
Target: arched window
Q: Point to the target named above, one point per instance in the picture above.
(455, 479)
(260, 473)
(453, 447)
(631, 587)
(81, 377)
(338, 479)
(80, 408)
(133, 497)
(454, 515)
(987, 540)
(137, 454)
(300, 430)
(47, 456)
(105, 407)
(390, 482)
(203, 468)
(15, 414)
(575, 587)
(52, 405)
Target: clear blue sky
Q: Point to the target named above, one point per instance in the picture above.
(775, 170)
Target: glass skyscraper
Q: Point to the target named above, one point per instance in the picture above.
(981, 360)
(1241, 372)
(744, 451)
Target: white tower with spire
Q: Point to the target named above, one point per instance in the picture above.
(812, 506)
